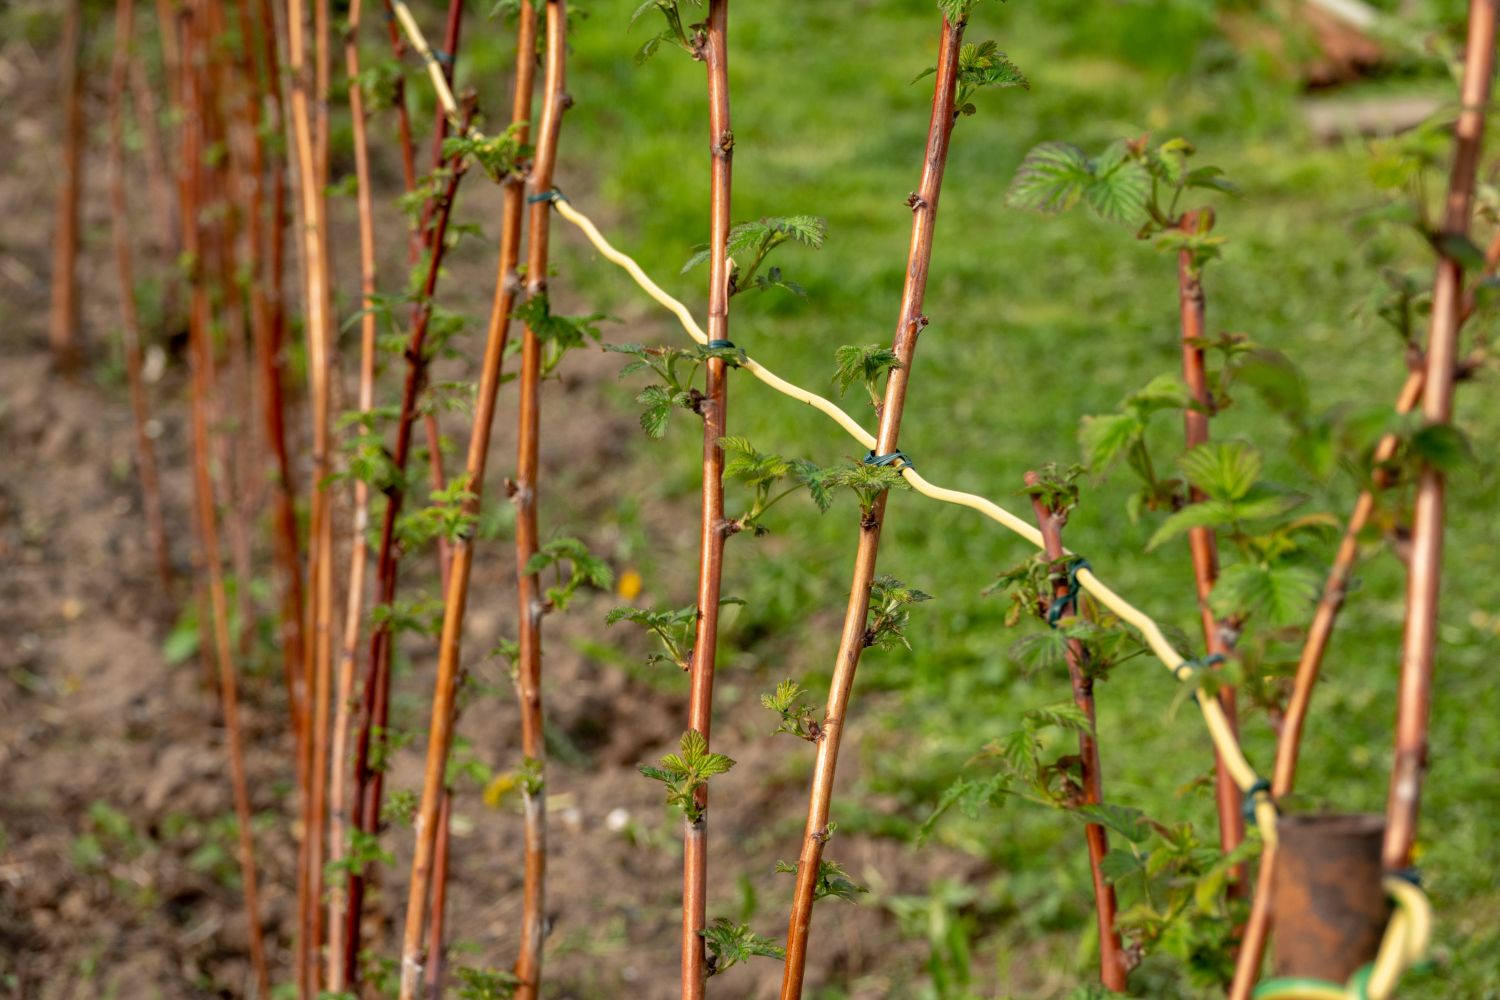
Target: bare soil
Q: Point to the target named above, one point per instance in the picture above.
(116, 876)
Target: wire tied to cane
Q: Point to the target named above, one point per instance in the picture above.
(1253, 795)
(1061, 605)
(890, 458)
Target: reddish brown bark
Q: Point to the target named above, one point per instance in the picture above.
(851, 643)
(1112, 964)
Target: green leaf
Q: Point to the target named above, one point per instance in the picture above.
(1221, 513)
(1280, 595)
(1166, 391)
(1277, 381)
(1120, 864)
(585, 569)
(1442, 446)
(866, 364)
(1225, 470)
(1039, 652)
(1458, 247)
(1105, 437)
(832, 880)
(729, 944)
(1119, 187)
(1053, 177)
(1127, 822)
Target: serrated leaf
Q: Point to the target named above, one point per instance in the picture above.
(1166, 391)
(1127, 822)
(1225, 470)
(1277, 381)
(1120, 864)
(1220, 513)
(1105, 437)
(1039, 652)
(1279, 595)
(1119, 188)
(1053, 177)
(1442, 446)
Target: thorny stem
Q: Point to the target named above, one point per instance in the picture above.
(1112, 963)
(1457, 308)
(202, 363)
(451, 30)
(528, 588)
(1309, 665)
(1203, 542)
(268, 252)
(714, 52)
(67, 352)
(403, 114)
(420, 237)
(375, 702)
(851, 643)
(147, 119)
(1425, 568)
(146, 467)
(232, 188)
(338, 931)
(432, 816)
(376, 693)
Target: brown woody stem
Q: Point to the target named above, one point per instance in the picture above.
(1414, 704)
(145, 449)
(713, 532)
(529, 597)
(1112, 964)
(429, 865)
(852, 640)
(1203, 542)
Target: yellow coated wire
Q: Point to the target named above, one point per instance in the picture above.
(1213, 716)
(1410, 927)
(1404, 942)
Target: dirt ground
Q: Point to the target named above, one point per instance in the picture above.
(116, 874)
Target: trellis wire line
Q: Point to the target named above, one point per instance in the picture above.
(1218, 725)
(1406, 936)
(1407, 933)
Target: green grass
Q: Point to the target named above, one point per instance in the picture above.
(1035, 323)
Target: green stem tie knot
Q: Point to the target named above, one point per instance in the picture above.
(1070, 599)
(890, 458)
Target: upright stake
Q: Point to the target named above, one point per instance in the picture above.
(714, 51)
(852, 641)
(1414, 705)
(528, 588)
(145, 449)
(67, 353)
(1112, 966)
(1202, 541)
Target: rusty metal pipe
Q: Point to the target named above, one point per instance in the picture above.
(1329, 907)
